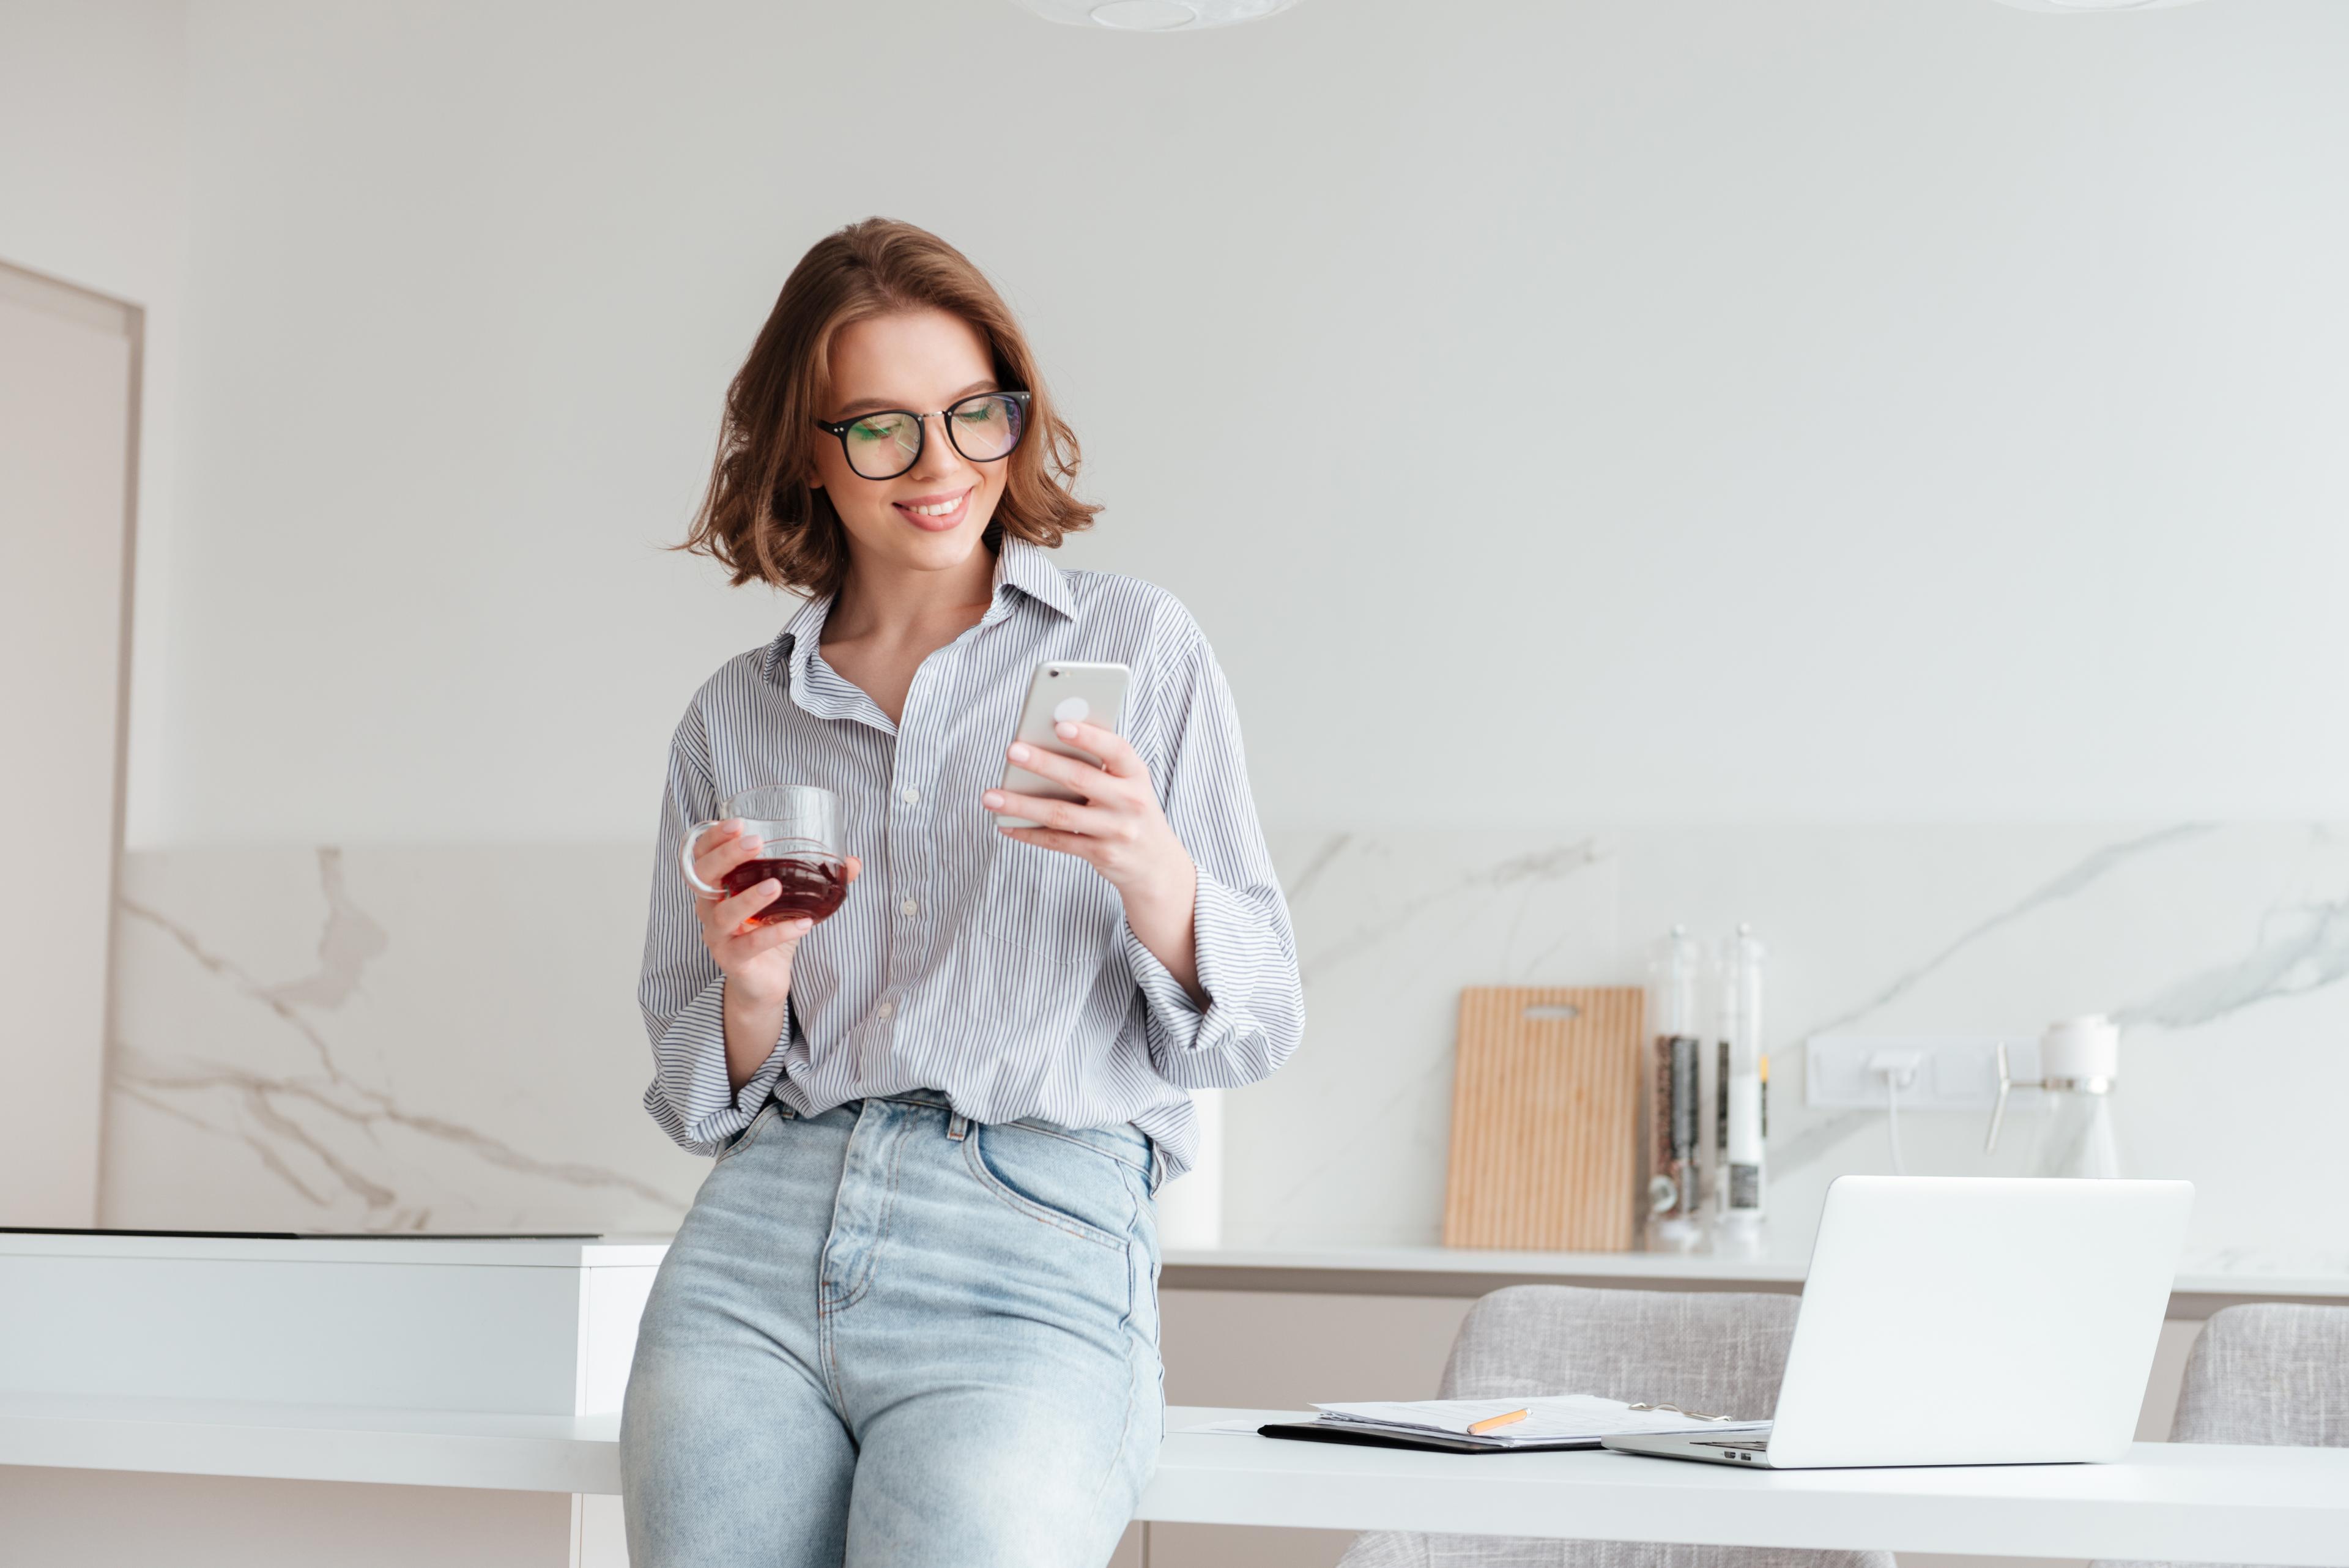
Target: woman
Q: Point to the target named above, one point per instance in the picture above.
(912, 1317)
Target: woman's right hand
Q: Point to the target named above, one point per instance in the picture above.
(756, 960)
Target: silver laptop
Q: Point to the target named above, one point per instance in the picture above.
(1967, 1321)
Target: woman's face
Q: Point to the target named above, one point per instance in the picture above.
(929, 517)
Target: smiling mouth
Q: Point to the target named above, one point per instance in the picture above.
(936, 512)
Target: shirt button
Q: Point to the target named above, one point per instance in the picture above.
(911, 906)
(885, 1010)
(910, 796)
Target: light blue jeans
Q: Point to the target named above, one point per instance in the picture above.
(891, 1336)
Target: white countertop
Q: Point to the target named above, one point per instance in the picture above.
(1488, 1261)
(2284, 1506)
(312, 1442)
(485, 1252)
(2250, 1276)
(511, 1325)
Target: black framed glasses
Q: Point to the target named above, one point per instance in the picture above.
(887, 442)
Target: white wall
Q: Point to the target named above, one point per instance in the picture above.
(1830, 408)
(92, 185)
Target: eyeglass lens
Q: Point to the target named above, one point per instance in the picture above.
(884, 445)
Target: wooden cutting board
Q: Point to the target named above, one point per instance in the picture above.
(1545, 1118)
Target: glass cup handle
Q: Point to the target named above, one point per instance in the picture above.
(685, 860)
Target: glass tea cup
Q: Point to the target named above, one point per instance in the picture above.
(797, 830)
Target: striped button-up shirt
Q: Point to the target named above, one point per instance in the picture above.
(1002, 974)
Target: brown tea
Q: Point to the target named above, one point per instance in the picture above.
(811, 889)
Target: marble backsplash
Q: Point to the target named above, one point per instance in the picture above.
(399, 1039)
(2222, 949)
(445, 1038)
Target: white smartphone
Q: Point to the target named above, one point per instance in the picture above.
(1086, 693)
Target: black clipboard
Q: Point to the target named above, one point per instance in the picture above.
(1434, 1442)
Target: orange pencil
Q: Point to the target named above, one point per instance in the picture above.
(1491, 1423)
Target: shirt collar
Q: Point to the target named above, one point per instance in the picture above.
(1027, 568)
(787, 656)
(1019, 565)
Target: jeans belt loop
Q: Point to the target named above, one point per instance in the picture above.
(956, 1126)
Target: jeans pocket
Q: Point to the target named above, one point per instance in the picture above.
(767, 1113)
(1054, 1180)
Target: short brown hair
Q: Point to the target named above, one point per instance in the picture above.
(760, 518)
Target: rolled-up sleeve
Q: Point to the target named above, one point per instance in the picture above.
(1245, 952)
(682, 990)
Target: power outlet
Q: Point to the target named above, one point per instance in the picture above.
(1955, 1073)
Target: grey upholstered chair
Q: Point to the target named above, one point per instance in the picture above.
(2267, 1373)
(1701, 1351)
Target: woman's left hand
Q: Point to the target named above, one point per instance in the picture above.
(1117, 828)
